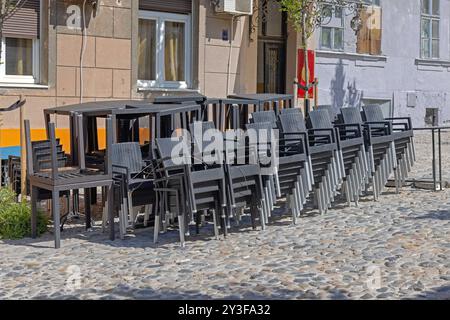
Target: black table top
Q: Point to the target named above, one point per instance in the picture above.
(262, 97)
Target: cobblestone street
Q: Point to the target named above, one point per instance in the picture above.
(396, 248)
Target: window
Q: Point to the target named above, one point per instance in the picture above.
(369, 36)
(163, 50)
(332, 31)
(429, 34)
(19, 61)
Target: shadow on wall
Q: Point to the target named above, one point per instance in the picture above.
(342, 94)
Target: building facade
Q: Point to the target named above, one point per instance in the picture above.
(400, 59)
(60, 52)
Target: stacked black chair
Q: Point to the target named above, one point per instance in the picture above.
(40, 161)
(403, 136)
(329, 108)
(380, 148)
(171, 187)
(135, 182)
(352, 153)
(57, 179)
(271, 181)
(242, 172)
(290, 164)
(323, 156)
(202, 185)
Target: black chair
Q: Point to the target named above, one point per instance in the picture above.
(403, 135)
(332, 112)
(379, 144)
(135, 181)
(323, 157)
(290, 165)
(350, 142)
(242, 172)
(203, 186)
(57, 179)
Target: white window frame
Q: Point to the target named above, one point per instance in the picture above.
(431, 17)
(160, 18)
(17, 79)
(333, 28)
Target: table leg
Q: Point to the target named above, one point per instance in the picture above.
(56, 218)
(87, 207)
(110, 208)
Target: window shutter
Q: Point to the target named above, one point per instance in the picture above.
(24, 23)
(173, 6)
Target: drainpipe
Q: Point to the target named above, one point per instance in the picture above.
(230, 55)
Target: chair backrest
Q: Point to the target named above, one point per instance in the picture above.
(320, 119)
(174, 151)
(127, 154)
(292, 122)
(262, 130)
(329, 108)
(351, 115)
(265, 116)
(373, 113)
(198, 130)
(39, 152)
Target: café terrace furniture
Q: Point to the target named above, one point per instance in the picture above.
(41, 161)
(268, 101)
(242, 172)
(322, 154)
(380, 148)
(289, 165)
(156, 155)
(403, 136)
(352, 152)
(59, 179)
(202, 187)
(135, 180)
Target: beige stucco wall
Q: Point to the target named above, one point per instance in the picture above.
(110, 66)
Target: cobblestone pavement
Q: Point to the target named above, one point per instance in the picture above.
(397, 248)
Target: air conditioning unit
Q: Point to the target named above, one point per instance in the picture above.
(235, 7)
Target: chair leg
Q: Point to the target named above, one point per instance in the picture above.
(87, 207)
(157, 219)
(56, 218)
(148, 209)
(34, 192)
(110, 206)
(216, 230)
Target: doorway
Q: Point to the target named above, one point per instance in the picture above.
(272, 38)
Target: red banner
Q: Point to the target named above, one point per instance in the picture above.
(301, 72)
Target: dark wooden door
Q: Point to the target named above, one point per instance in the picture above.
(274, 67)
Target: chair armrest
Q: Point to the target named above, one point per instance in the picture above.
(408, 124)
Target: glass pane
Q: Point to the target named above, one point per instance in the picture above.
(174, 57)
(147, 50)
(435, 10)
(338, 39)
(274, 19)
(425, 28)
(19, 57)
(326, 38)
(425, 48)
(435, 48)
(435, 29)
(426, 6)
